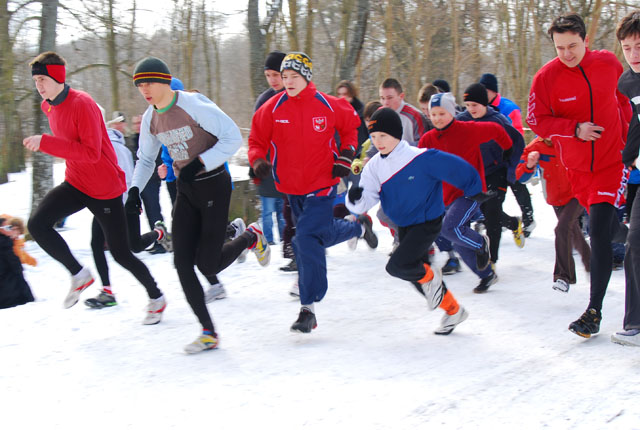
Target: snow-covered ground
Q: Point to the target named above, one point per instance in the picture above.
(372, 363)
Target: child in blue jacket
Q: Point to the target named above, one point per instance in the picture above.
(407, 182)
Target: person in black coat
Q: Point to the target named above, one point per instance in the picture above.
(14, 290)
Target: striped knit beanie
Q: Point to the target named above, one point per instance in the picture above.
(151, 69)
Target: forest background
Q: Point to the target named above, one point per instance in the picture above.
(219, 48)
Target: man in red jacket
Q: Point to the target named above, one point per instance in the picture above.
(575, 103)
(93, 180)
(297, 128)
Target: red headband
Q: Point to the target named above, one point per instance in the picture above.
(57, 72)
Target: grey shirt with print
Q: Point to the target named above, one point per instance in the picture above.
(192, 126)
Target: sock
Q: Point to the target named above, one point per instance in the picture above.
(363, 231)
(207, 332)
(309, 307)
(107, 289)
(253, 238)
(428, 276)
(449, 303)
(160, 233)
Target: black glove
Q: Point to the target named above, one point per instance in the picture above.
(483, 197)
(262, 168)
(342, 165)
(188, 173)
(355, 193)
(133, 204)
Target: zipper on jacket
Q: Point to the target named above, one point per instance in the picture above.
(593, 142)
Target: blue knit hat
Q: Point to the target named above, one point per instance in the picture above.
(444, 100)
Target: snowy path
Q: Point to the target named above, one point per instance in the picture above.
(372, 363)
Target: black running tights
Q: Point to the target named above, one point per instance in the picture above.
(603, 225)
(137, 243)
(65, 200)
(199, 229)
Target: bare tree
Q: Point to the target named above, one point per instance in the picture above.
(42, 164)
(11, 150)
(353, 44)
(257, 42)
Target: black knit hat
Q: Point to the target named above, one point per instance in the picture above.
(274, 60)
(476, 93)
(387, 121)
(298, 62)
(443, 85)
(490, 82)
(151, 69)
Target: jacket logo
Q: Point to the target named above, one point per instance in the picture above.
(569, 99)
(411, 178)
(320, 123)
(283, 121)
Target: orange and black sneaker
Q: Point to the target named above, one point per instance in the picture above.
(588, 324)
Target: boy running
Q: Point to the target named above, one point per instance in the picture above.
(93, 180)
(200, 138)
(407, 181)
(628, 34)
(298, 129)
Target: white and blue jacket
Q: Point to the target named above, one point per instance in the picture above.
(408, 183)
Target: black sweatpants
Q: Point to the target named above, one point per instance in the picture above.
(523, 197)
(65, 200)
(137, 243)
(494, 217)
(407, 261)
(199, 228)
(603, 226)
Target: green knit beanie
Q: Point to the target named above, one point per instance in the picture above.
(151, 69)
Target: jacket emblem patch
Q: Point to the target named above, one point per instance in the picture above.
(320, 123)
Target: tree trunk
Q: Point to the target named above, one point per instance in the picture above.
(256, 51)
(455, 31)
(595, 17)
(187, 23)
(308, 41)
(42, 164)
(11, 149)
(204, 30)
(293, 27)
(354, 45)
(112, 57)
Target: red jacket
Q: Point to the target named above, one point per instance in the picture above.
(464, 139)
(80, 137)
(300, 133)
(556, 184)
(562, 96)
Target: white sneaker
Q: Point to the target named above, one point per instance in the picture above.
(353, 242)
(294, 291)
(433, 290)
(561, 285)
(155, 308)
(202, 343)
(79, 282)
(239, 227)
(214, 292)
(627, 337)
(449, 322)
(261, 248)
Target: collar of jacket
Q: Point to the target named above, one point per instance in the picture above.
(60, 97)
(586, 61)
(308, 92)
(441, 131)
